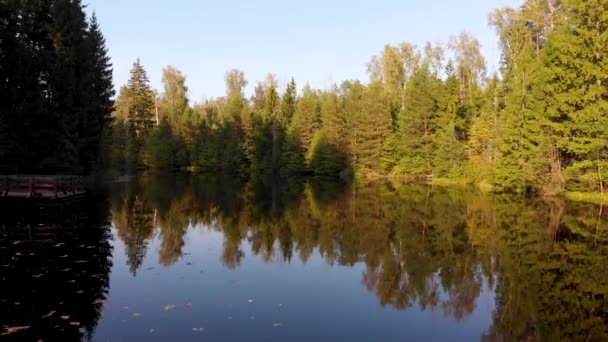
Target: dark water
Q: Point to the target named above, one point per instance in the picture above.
(167, 259)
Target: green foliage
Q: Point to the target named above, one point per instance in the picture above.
(538, 127)
(55, 87)
(141, 100)
(326, 160)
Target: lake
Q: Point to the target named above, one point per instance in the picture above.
(200, 258)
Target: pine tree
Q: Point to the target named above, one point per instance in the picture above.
(575, 87)
(373, 128)
(521, 159)
(448, 146)
(141, 104)
(288, 104)
(415, 125)
(306, 119)
(101, 91)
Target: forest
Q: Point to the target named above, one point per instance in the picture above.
(428, 113)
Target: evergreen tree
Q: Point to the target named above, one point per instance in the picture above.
(416, 123)
(374, 127)
(288, 104)
(520, 160)
(101, 91)
(306, 119)
(141, 103)
(575, 88)
(448, 144)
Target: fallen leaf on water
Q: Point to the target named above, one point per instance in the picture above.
(277, 324)
(80, 261)
(72, 281)
(65, 318)
(12, 330)
(189, 305)
(79, 291)
(250, 300)
(74, 323)
(66, 270)
(49, 314)
(63, 256)
(136, 314)
(169, 307)
(198, 329)
(18, 254)
(59, 244)
(90, 247)
(98, 301)
(16, 242)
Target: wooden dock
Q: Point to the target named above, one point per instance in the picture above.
(41, 187)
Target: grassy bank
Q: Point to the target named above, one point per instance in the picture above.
(587, 197)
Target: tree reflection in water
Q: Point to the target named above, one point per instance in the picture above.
(545, 260)
(55, 268)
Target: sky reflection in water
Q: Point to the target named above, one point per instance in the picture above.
(198, 258)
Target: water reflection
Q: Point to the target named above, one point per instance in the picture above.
(54, 274)
(544, 260)
(540, 265)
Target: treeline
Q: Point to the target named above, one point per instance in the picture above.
(538, 126)
(55, 87)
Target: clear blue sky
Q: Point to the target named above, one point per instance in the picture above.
(315, 41)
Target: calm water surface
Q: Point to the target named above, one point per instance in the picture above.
(193, 259)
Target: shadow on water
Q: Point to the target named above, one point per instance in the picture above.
(543, 262)
(55, 268)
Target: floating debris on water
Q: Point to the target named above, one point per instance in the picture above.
(136, 314)
(278, 324)
(12, 330)
(169, 307)
(49, 314)
(198, 329)
(189, 305)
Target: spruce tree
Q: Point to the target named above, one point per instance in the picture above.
(575, 87)
(141, 104)
(416, 123)
(449, 154)
(306, 119)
